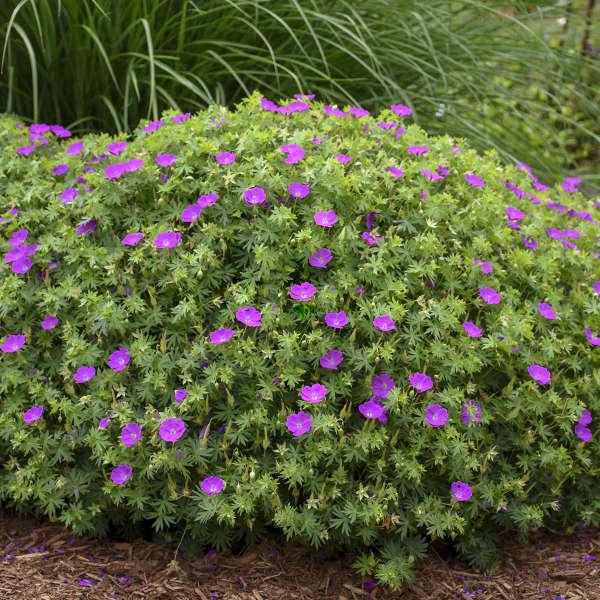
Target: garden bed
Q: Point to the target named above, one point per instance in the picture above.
(44, 561)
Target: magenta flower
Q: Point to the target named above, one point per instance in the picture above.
(131, 434)
(586, 416)
(225, 158)
(486, 267)
(489, 295)
(436, 415)
(461, 491)
(116, 147)
(471, 412)
(180, 395)
(591, 338)
(321, 258)
(13, 343)
(514, 214)
(384, 323)
(33, 414)
(298, 190)
(358, 112)
(471, 329)
(421, 382)
(167, 239)
(154, 125)
(298, 423)
(302, 292)
(546, 311)
(74, 149)
(25, 150)
(294, 153)
(207, 200)
(84, 374)
(395, 172)
(539, 374)
(59, 170)
(431, 175)
(21, 265)
(49, 322)
(382, 385)
(343, 158)
(212, 485)
(255, 195)
(401, 110)
(333, 111)
(87, 228)
(325, 218)
(19, 237)
(331, 359)
(119, 359)
(191, 213)
(583, 432)
(132, 239)
(418, 150)
(371, 409)
(249, 316)
(474, 180)
(171, 430)
(336, 320)
(165, 160)
(121, 474)
(220, 336)
(182, 118)
(313, 393)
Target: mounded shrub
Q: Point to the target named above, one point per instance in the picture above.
(296, 317)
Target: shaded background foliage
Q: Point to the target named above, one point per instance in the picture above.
(520, 77)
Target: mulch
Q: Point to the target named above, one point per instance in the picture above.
(46, 562)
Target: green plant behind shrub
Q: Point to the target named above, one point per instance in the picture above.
(469, 356)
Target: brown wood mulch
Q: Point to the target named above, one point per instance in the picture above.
(44, 561)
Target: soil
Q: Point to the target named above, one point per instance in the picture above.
(44, 561)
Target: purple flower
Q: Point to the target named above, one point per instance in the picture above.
(220, 336)
(471, 329)
(461, 491)
(382, 385)
(586, 416)
(514, 214)
(384, 323)
(22, 265)
(119, 359)
(529, 243)
(25, 150)
(131, 434)
(33, 414)
(167, 239)
(154, 125)
(298, 423)
(591, 338)
(121, 474)
(436, 415)
(49, 322)
(212, 485)
(104, 422)
(165, 160)
(596, 287)
(294, 153)
(191, 213)
(325, 218)
(19, 237)
(358, 112)
(171, 429)
(302, 292)
(249, 316)
(180, 395)
(421, 382)
(371, 409)
(178, 119)
(84, 374)
(87, 228)
(333, 111)
(431, 175)
(132, 239)
(546, 311)
(343, 158)
(336, 320)
(486, 267)
(207, 200)
(418, 150)
(225, 158)
(331, 359)
(539, 374)
(13, 343)
(396, 172)
(489, 295)
(401, 110)
(313, 393)
(59, 170)
(320, 259)
(116, 147)
(371, 239)
(583, 432)
(85, 582)
(471, 412)
(74, 149)
(255, 195)
(474, 180)
(298, 190)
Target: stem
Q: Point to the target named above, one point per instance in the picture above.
(587, 28)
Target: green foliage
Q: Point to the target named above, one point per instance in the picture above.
(506, 75)
(380, 491)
